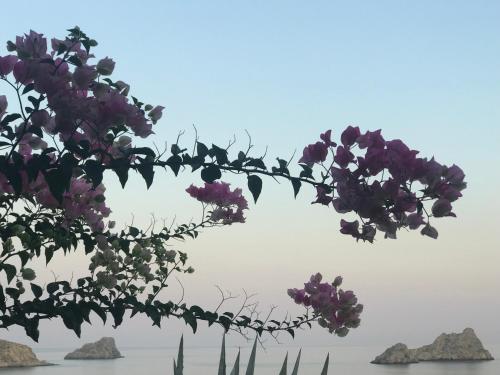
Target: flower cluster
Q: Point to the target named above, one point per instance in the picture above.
(380, 183)
(76, 104)
(227, 205)
(336, 309)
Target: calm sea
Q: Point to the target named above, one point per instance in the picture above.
(158, 361)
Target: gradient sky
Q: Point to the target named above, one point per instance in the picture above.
(426, 72)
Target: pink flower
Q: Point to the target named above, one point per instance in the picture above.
(335, 309)
(32, 45)
(84, 76)
(442, 207)
(156, 113)
(228, 205)
(22, 72)
(326, 137)
(415, 220)
(322, 196)
(7, 64)
(105, 66)
(455, 175)
(371, 140)
(314, 153)
(343, 157)
(349, 136)
(40, 118)
(349, 227)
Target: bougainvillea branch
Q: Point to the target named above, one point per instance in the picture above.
(66, 123)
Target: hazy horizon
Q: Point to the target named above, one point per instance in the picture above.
(426, 72)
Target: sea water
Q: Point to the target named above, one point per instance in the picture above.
(204, 360)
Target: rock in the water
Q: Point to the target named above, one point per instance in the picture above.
(397, 354)
(18, 355)
(105, 348)
(463, 346)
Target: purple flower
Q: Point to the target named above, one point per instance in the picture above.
(322, 196)
(349, 227)
(84, 76)
(105, 66)
(314, 153)
(442, 207)
(22, 72)
(343, 157)
(7, 64)
(371, 140)
(433, 172)
(334, 309)
(455, 175)
(448, 191)
(32, 45)
(326, 137)
(156, 113)
(40, 118)
(341, 206)
(349, 136)
(415, 220)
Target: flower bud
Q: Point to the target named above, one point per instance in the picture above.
(337, 281)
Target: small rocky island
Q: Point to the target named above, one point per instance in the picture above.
(463, 346)
(18, 355)
(105, 348)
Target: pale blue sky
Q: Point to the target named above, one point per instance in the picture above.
(426, 72)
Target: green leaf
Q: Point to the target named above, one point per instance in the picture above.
(31, 328)
(75, 60)
(296, 186)
(121, 168)
(37, 290)
(201, 149)
(220, 154)
(142, 151)
(257, 163)
(52, 287)
(325, 366)
(28, 88)
(297, 364)
(255, 186)
(222, 359)
(211, 173)
(429, 231)
(147, 173)
(251, 361)
(236, 367)
(174, 162)
(285, 363)
(10, 271)
(180, 357)
(49, 253)
(9, 118)
(98, 310)
(133, 231)
(190, 319)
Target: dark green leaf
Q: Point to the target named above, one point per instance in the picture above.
(37, 290)
(10, 271)
(255, 186)
(296, 186)
(211, 173)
